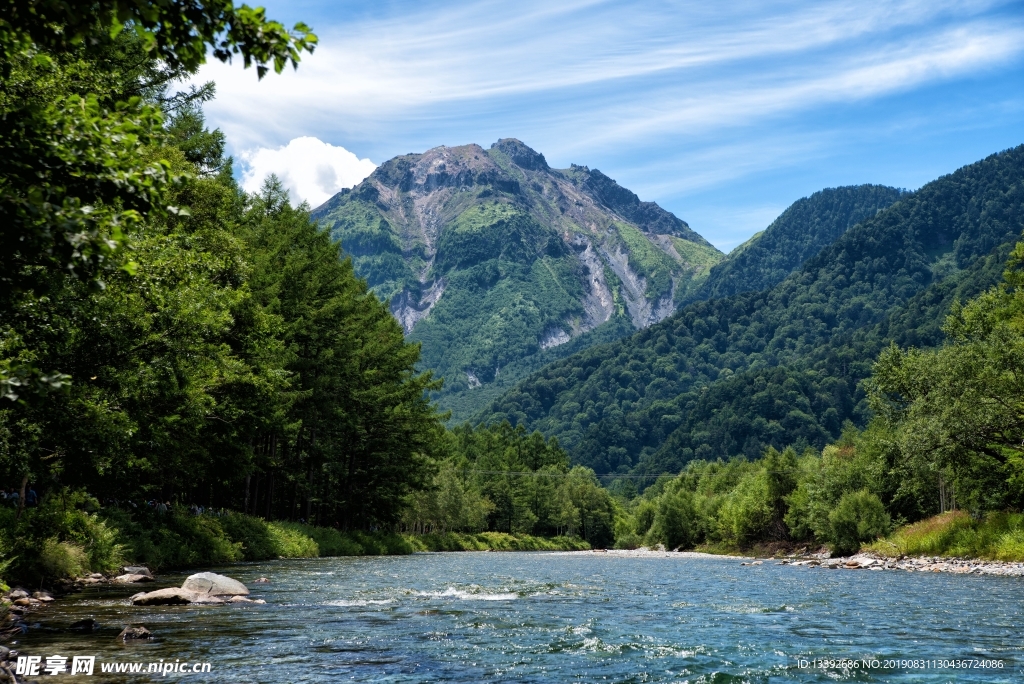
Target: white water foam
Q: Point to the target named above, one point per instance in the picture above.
(345, 604)
(452, 592)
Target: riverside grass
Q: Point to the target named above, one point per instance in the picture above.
(237, 537)
(997, 536)
(77, 542)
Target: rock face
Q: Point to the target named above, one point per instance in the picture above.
(495, 261)
(172, 596)
(212, 584)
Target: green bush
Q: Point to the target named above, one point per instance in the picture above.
(747, 512)
(677, 523)
(292, 543)
(493, 541)
(174, 540)
(58, 539)
(62, 559)
(859, 517)
(254, 534)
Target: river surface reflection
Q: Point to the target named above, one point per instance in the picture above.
(548, 617)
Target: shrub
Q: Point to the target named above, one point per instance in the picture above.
(748, 511)
(74, 540)
(999, 536)
(254, 534)
(292, 543)
(677, 523)
(174, 540)
(59, 559)
(859, 517)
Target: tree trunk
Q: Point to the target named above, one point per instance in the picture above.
(21, 501)
(270, 494)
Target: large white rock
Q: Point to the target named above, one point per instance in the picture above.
(172, 596)
(212, 584)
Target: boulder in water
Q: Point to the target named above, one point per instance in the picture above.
(85, 625)
(243, 599)
(134, 632)
(132, 578)
(212, 584)
(172, 596)
(136, 570)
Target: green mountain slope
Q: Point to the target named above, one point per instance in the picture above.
(799, 233)
(730, 376)
(496, 262)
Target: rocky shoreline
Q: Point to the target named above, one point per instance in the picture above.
(869, 561)
(860, 561)
(202, 588)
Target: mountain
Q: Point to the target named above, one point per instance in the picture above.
(782, 366)
(799, 233)
(497, 263)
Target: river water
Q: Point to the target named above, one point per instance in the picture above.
(550, 617)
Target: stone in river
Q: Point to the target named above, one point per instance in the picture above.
(86, 625)
(172, 596)
(136, 570)
(132, 578)
(212, 584)
(134, 632)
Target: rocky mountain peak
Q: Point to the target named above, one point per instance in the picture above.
(497, 262)
(521, 155)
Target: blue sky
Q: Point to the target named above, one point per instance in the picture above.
(723, 113)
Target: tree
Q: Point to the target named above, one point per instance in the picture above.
(77, 173)
(961, 407)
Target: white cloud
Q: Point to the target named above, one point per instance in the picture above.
(671, 97)
(311, 170)
(374, 79)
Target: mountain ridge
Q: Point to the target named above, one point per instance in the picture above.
(615, 406)
(490, 257)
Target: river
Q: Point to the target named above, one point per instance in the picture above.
(552, 617)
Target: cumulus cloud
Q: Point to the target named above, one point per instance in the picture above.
(310, 169)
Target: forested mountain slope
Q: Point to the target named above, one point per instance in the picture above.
(730, 376)
(799, 233)
(495, 262)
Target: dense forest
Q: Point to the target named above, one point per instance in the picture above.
(805, 228)
(781, 367)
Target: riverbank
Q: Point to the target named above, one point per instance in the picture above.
(62, 540)
(870, 561)
(859, 561)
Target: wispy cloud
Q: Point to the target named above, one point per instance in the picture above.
(582, 80)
